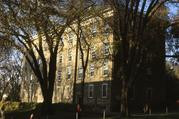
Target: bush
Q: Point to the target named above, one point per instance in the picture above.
(10, 106)
(64, 107)
(17, 106)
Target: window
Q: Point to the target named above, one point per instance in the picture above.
(59, 75)
(90, 90)
(61, 43)
(60, 58)
(80, 73)
(104, 90)
(105, 68)
(93, 53)
(149, 93)
(82, 38)
(91, 69)
(68, 72)
(80, 55)
(132, 92)
(149, 71)
(69, 55)
(39, 61)
(106, 49)
(67, 92)
(94, 29)
(70, 37)
(106, 28)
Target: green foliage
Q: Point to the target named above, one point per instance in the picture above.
(17, 106)
(10, 106)
(25, 107)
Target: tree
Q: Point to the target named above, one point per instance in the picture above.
(35, 28)
(132, 18)
(172, 39)
(89, 33)
(10, 68)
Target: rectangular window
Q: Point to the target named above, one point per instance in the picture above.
(80, 73)
(90, 91)
(70, 37)
(80, 55)
(105, 68)
(104, 90)
(82, 38)
(69, 72)
(94, 29)
(61, 43)
(60, 58)
(69, 55)
(106, 29)
(93, 53)
(149, 93)
(132, 92)
(149, 71)
(91, 69)
(106, 49)
(59, 75)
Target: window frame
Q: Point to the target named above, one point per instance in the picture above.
(91, 91)
(106, 90)
(106, 49)
(93, 53)
(69, 55)
(61, 58)
(105, 68)
(80, 73)
(59, 75)
(70, 37)
(147, 93)
(91, 70)
(69, 72)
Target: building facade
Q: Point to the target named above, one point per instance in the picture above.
(101, 83)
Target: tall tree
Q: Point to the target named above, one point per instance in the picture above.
(10, 70)
(132, 19)
(35, 27)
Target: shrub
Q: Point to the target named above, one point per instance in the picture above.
(17, 106)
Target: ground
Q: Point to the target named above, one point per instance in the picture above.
(71, 115)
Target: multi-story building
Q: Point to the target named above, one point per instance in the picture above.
(102, 83)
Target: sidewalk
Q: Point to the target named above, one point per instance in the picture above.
(172, 115)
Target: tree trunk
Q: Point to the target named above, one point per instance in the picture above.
(82, 90)
(124, 99)
(45, 109)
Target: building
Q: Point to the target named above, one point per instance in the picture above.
(102, 83)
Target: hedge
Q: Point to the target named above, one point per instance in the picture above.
(17, 106)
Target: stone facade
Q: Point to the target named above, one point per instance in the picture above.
(98, 73)
(102, 83)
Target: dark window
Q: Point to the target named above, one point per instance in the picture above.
(60, 58)
(104, 90)
(149, 93)
(106, 29)
(69, 55)
(90, 90)
(59, 75)
(70, 38)
(106, 49)
(69, 72)
(132, 92)
(105, 68)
